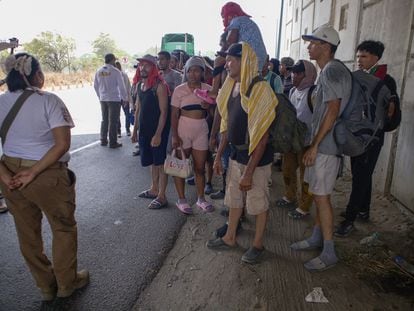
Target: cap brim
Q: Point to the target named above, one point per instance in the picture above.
(221, 53)
(309, 37)
(146, 60)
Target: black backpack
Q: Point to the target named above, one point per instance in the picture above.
(360, 124)
(391, 123)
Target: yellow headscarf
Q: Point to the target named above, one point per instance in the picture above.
(260, 106)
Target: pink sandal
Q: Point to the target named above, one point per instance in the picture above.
(203, 94)
(184, 208)
(205, 206)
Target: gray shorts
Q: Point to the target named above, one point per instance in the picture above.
(321, 177)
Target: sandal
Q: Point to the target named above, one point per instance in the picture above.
(284, 203)
(147, 195)
(295, 214)
(205, 206)
(185, 208)
(317, 264)
(157, 204)
(203, 94)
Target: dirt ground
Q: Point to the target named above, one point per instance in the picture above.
(194, 277)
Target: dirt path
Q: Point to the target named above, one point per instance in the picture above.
(196, 278)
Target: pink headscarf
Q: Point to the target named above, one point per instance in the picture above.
(231, 9)
(310, 75)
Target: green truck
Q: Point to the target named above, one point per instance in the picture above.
(178, 41)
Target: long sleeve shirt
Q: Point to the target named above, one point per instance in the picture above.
(109, 84)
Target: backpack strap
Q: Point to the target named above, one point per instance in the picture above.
(8, 120)
(272, 81)
(254, 81)
(310, 91)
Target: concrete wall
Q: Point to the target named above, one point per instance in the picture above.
(390, 21)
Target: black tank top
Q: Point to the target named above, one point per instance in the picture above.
(149, 113)
(237, 133)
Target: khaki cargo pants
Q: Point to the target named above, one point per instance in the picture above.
(290, 164)
(53, 193)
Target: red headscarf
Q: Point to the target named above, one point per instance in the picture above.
(154, 77)
(231, 9)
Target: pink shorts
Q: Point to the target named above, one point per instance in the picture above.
(193, 133)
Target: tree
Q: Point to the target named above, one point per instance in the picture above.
(104, 44)
(53, 50)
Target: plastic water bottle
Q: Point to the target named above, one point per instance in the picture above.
(371, 240)
(404, 264)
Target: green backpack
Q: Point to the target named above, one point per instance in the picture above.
(286, 133)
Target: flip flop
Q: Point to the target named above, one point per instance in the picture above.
(203, 94)
(317, 264)
(157, 204)
(304, 245)
(205, 206)
(147, 195)
(185, 208)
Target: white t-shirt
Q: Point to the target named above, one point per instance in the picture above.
(299, 99)
(30, 135)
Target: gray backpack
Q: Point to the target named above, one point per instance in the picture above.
(361, 123)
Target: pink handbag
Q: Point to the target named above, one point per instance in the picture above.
(178, 167)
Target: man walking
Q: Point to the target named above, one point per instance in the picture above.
(151, 117)
(110, 87)
(245, 115)
(322, 163)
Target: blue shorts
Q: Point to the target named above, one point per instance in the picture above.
(153, 155)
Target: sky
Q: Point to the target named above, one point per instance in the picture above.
(136, 25)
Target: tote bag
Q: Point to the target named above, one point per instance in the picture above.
(178, 167)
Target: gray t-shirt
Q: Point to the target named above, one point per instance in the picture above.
(173, 79)
(334, 82)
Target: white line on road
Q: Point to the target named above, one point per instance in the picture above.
(86, 146)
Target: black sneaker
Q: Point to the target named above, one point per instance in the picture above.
(363, 216)
(252, 255)
(116, 145)
(217, 195)
(344, 229)
(221, 232)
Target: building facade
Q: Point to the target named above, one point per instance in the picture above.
(389, 21)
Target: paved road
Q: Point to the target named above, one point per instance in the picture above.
(121, 242)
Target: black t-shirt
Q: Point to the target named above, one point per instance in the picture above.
(237, 134)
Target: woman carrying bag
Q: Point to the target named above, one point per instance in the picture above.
(190, 131)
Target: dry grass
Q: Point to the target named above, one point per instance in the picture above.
(53, 80)
(375, 265)
(64, 79)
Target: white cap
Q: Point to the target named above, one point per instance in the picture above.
(324, 33)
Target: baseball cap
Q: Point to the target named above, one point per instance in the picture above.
(234, 50)
(287, 61)
(299, 66)
(324, 33)
(148, 58)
